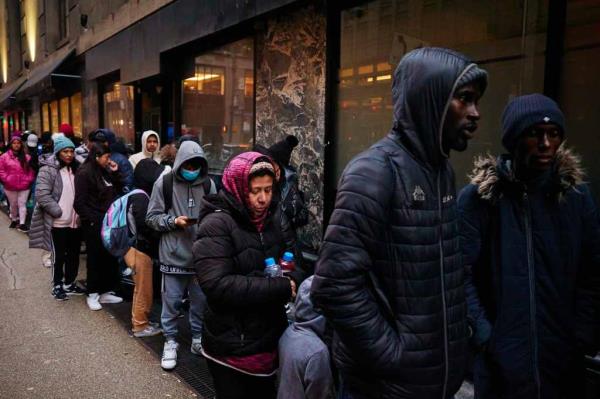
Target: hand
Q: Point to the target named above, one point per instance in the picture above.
(113, 166)
(182, 221)
(293, 285)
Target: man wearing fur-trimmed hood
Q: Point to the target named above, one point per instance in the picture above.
(531, 249)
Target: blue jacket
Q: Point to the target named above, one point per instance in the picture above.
(532, 262)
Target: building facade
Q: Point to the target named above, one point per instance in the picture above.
(240, 72)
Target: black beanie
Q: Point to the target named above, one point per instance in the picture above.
(525, 111)
(281, 151)
(146, 172)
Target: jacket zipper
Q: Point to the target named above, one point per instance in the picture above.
(532, 304)
(442, 275)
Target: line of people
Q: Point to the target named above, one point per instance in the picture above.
(409, 277)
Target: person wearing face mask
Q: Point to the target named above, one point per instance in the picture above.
(97, 184)
(173, 211)
(55, 224)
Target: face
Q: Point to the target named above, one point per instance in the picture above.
(261, 193)
(190, 165)
(103, 160)
(277, 170)
(67, 155)
(461, 119)
(537, 147)
(16, 145)
(152, 143)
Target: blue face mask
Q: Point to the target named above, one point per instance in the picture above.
(190, 175)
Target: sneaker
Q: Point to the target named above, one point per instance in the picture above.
(169, 355)
(13, 224)
(128, 271)
(110, 297)
(23, 228)
(149, 331)
(47, 261)
(59, 294)
(73, 289)
(196, 348)
(92, 301)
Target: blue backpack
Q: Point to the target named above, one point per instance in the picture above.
(118, 227)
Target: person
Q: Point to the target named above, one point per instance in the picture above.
(145, 248)
(32, 150)
(16, 175)
(531, 248)
(150, 148)
(118, 154)
(67, 130)
(245, 315)
(176, 219)
(389, 275)
(55, 225)
(97, 184)
(291, 199)
(304, 362)
(167, 156)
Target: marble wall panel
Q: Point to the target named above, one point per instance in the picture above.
(290, 99)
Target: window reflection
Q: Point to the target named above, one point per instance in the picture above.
(118, 111)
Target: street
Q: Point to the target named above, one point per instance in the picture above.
(52, 349)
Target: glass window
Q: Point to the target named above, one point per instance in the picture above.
(118, 111)
(64, 110)
(375, 36)
(76, 115)
(54, 116)
(218, 102)
(45, 117)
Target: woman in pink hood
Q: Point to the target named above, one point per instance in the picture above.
(16, 175)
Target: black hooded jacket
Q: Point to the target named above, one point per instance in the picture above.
(389, 275)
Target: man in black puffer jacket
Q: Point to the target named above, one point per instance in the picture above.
(389, 276)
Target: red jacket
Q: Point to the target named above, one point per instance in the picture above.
(12, 175)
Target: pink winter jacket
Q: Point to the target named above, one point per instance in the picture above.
(12, 175)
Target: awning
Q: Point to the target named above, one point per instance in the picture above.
(40, 76)
(7, 93)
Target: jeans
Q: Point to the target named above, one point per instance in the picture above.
(142, 292)
(18, 204)
(174, 287)
(65, 247)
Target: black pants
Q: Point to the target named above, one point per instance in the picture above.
(231, 384)
(66, 243)
(102, 268)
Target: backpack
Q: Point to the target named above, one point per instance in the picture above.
(167, 189)
(118, 227)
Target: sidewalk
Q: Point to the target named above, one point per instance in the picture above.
(51, 349)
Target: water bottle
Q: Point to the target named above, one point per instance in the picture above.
(287, 262)
(272, 269)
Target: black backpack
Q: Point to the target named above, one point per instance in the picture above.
(167, 189)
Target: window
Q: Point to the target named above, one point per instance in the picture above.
(54, 116)
(76, 114)
(45, 117)
(63, 21)
(218, 102)
(64, 110)
(375, 36)
(118, 111)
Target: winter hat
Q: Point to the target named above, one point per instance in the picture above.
(16, 136)
(32, 140)
(473, 74)
(281, 151)
(146, 173)
(525, 111)
(62, 142)
(56, 135)
(66, 129)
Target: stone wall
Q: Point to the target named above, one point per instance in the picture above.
(290, 99)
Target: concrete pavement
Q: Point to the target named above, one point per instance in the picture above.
(52, 349)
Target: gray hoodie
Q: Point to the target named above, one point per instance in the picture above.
(304, 363)
(175, 251)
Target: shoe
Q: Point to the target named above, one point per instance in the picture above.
(154, 324)
(92, 301)
(169, 355)
(59, 294)
(73, 289)
(196, 348)
(47, 261)
(149, 331)
(23, 228)
(13, 224)
(128, 271)
(110, 297)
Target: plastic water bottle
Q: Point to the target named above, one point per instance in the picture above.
(287, 262)
(272, 269)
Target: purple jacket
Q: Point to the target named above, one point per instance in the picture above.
(12, 175)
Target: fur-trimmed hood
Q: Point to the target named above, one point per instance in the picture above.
(493, 176)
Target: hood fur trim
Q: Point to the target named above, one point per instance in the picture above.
(567, 166)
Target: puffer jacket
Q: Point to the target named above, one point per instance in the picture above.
(12, 174)
(245, 312)
(48, 190)
(389, 275)
(532, 262)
